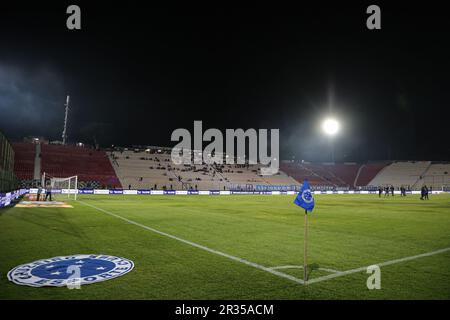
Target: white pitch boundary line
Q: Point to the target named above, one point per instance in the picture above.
(199, 246)
(301, 267)
(382, 264)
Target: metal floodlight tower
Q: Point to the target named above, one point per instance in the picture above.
(65, 121)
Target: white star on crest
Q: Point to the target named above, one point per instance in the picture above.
(100, 268)
(56, 273)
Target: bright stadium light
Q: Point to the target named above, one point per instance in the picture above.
(330, 126)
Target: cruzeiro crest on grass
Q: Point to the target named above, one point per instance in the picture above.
(64, 270)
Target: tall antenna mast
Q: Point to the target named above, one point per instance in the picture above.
(65, 121)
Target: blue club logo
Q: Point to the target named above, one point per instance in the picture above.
(307, 196)
(66, 270)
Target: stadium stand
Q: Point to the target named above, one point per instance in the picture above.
(91, 166)
(24, 154)
(327, 174)
(152, 168)
(368, 171)
(8, 180)
(437, 175)
(402, 173)
(246, 176)
(301, 171)
(345, 173)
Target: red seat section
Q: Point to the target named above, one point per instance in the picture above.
(301, 171)
(345, 173)
(369, 171)
(327, 174)
(24, 154)
(87, 164)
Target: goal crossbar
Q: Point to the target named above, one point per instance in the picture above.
(67, 185)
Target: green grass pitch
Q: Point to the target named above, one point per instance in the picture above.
(346, 232)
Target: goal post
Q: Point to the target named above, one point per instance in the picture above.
(67, 185)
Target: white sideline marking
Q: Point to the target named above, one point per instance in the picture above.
(249, 263)
(301, 267)
(382, 264)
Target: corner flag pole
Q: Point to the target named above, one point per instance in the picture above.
(305, 200)
(305, 262)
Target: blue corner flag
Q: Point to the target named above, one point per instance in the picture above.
(305, 197)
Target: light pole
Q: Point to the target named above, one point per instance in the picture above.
(331, 127)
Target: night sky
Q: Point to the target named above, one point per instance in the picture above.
(135, 73)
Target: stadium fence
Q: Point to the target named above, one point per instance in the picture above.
(8, 180)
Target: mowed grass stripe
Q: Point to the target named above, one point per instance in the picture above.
(269, 231)
(199, 246)
(346, 232)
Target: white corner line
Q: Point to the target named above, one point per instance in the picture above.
(301, 267)
(381, 264)
(199, 246)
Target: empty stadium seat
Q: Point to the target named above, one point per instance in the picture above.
(87, 164)
(143, 170)
(24, 154)
(436, 176)
(402, 173)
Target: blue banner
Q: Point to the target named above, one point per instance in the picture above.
(86, 191)
(7, 198)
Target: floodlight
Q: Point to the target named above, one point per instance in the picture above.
(330, 126)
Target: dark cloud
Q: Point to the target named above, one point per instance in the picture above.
(31, 101)
(136, 75)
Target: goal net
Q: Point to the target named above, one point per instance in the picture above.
(61, 187)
